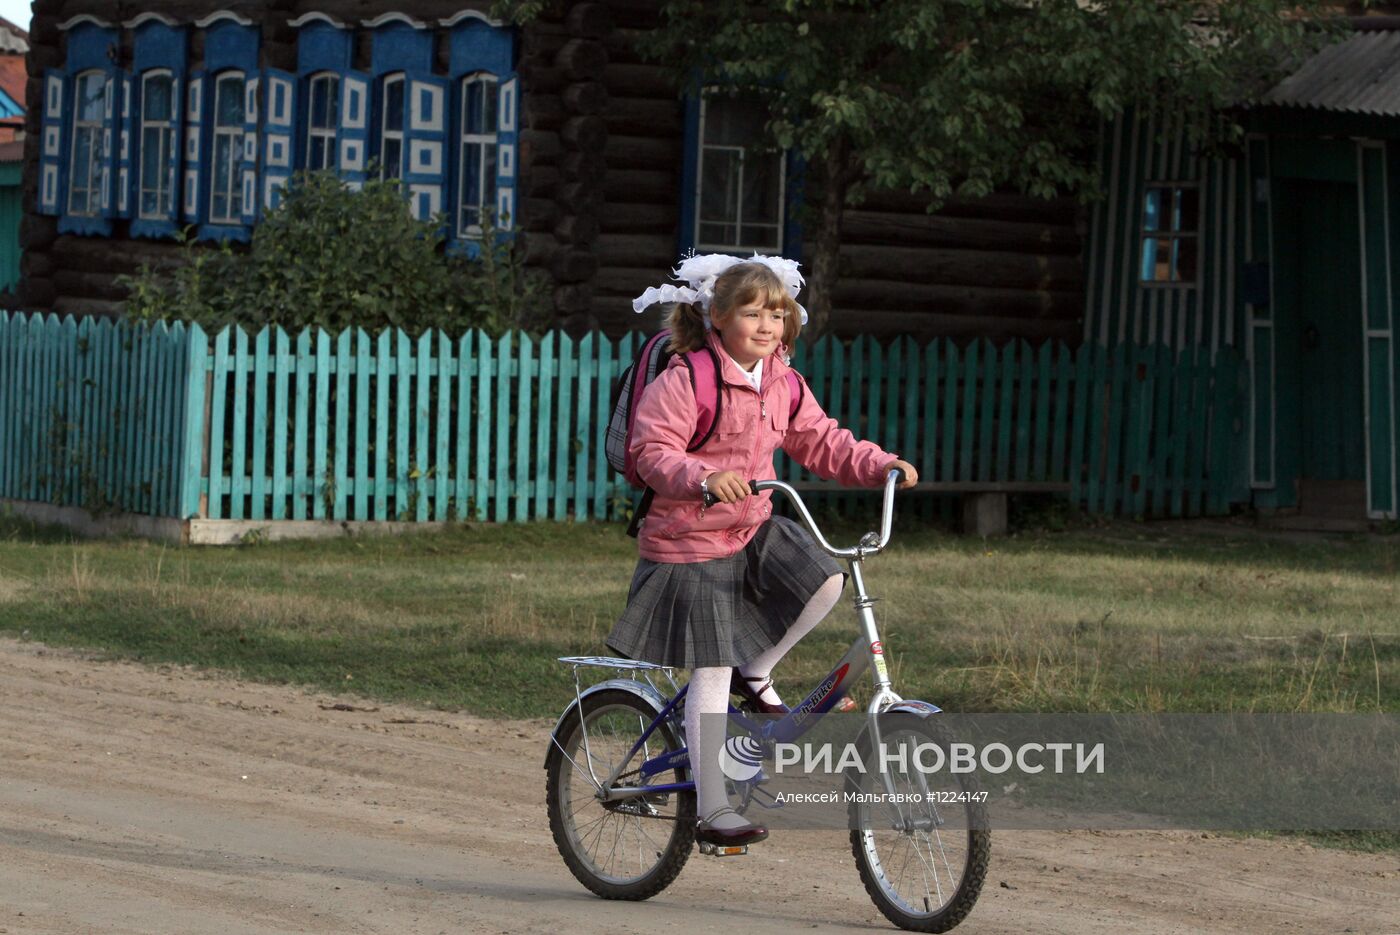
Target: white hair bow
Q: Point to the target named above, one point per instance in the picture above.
(700, 272)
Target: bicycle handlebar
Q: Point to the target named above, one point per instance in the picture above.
(865, 547)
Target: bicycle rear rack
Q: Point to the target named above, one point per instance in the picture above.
(634, 669)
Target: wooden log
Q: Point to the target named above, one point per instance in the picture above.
(963, 267)
(585, 97)
(640, 185)
(638, 116)
(959, 300)
(540, 248)
(541, 76)
(925, 326)
(544, 112)
(573, 298)
(643, 152)
(628, 80)
(37, 293)
(578, 198)
(37, 231)
(626, 218)
(590, 20)
(538, 214)
(1002, 205)
(573, 265)
(938, 230)
(113, 254)
(577, 229)
(86, 308)
(80, 284)
(626, 280)
(579, 324)
(589, 168)
(636, 250)
(36, 263)
(540, 182)
(538, 146)
(589, 134)
(582, 59)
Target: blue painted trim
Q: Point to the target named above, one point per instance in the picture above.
(227, 47)
(157, 46)
(401, 47)
(477, 46)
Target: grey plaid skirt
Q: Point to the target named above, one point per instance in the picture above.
(726, 611)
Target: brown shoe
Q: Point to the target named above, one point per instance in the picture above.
(742, 685)
(728, 837)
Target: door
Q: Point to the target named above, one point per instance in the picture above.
(1319, 300)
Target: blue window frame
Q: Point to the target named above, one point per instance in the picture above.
(221, 133)
(734, 199)
(478, 153)
(82, 123)
(152, 146)
(485, 128)
(322, 120)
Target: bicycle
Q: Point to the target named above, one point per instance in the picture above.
(622, 804)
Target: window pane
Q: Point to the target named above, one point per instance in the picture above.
(718, 233)
(1162, 256)
(1184, 259)
(1152, 210)
(761, 174)
(228, 106)
(393, 104)
(471, 174)
(733, 122)
(317, 158)
(325, 102)
(1187, 215)
(719, 182)
(151, 157)
(759, 236)
(489, 123)
(90, 91)
(1149, 260)
(159, 98)
(393, 155)
(473, 119)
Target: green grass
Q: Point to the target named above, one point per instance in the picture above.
(1122, 617)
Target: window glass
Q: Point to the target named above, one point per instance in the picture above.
(226, 191)
(478, 144)
(157, 141)
(1170, 234)
(739, 202)
(324, 118)
(85, 172)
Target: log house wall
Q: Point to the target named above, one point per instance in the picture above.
(600, 161)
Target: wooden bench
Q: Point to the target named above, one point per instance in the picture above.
(983, 502)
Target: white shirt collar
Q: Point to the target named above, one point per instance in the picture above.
(754, 376)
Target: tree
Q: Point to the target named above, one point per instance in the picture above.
(964, 97)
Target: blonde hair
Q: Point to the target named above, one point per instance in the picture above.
(740, 285)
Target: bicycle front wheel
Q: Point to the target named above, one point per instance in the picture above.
(627, 849)
(922, 857)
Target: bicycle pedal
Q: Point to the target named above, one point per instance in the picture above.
(715, 850)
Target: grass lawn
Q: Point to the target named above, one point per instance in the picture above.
(1121, 617)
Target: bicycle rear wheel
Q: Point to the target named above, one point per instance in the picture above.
(922, 860)
(629, 849)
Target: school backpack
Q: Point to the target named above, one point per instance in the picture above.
(652, 358)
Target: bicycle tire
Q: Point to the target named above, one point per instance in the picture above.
(670, 849)
(874, 848)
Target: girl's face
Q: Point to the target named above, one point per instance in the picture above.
(752, 332)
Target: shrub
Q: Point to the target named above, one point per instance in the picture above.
(334, 257)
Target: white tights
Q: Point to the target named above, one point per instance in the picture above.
(709, 695)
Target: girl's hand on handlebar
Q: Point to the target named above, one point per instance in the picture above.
(727, 486)
(911, 474)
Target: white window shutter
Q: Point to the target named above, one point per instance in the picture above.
(425, 157)
(507, 135)
(192, 202)
(352, 136)
(279, 125)
(51, 163)
(249, 178)
(124, 136)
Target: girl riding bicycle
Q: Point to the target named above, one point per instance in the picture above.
(726, 590)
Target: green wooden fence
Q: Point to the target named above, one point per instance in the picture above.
(272, 426)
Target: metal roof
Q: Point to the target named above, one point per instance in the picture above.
(1359, 75)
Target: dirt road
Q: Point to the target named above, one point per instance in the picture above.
(166, 800)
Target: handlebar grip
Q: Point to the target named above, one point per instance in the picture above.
(710, 499)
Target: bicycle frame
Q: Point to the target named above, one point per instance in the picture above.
(865, 652)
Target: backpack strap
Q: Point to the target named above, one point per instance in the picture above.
(704, 370)
(796, 390)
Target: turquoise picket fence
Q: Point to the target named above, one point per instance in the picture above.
(273, 426)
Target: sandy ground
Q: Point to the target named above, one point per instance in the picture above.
(163, 800)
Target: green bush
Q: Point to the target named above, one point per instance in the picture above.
(334, 257)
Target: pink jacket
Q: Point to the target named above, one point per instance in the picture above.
(752, 425)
